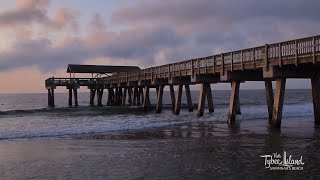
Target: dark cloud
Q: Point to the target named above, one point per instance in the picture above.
(44, 55)
(128, 44)
(138, 42)
(157, 31)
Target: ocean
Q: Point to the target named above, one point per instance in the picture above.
(37, 142)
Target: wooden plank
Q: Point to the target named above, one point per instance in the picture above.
(266, 58)
(254, 58)
(315, 82)
(231, 61)
(189, 99)
(222, 64)
(178, 100)
(314, 50)
(269, 96)
(233, 105)
(278, 102)
(296, 52)
(241, 60)
(280, 55)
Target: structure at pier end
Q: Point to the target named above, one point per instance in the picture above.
(130, 85)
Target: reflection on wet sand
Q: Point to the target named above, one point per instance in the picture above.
(191, 130)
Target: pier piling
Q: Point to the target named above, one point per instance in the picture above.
(189, 100)
(209, 98)
(233, 104)
(92, 95)
(315, 83)
(130, 96)
(159, 99)
(51, 97)
(124, 97)
(146, 102)
(75, 93)
(178, 99)
(202, 99)
(141, 95)
(269, 96)
(278, 102)
(173, 99)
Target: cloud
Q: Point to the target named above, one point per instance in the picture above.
(155, 32)
(28, 12)
(49, 56)
(190, 13)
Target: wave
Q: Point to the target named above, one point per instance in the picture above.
(61, 122)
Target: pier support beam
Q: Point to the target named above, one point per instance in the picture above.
(315, 83)
(138, 96)
(124, 96)
(141, 94)
(116, 97)
(205, 93)
(237, 101)
(70, 97)
(178, 100)
(269, 96)
(99, 96)
(130, 96)
(120, 96)
(134, 96)
(173, 99)
(209, 98)
(238, 109)
(189, 100)
(51, 97)
(235, 86)
(159, 99)
(110, 101)
(92, 95)
(75, 93)
(146, 102)
(278, 102)
(202, 99)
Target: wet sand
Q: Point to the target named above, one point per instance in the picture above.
(203, 150)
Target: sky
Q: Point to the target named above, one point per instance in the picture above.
(38, 38)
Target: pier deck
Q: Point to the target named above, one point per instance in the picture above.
(297, 58)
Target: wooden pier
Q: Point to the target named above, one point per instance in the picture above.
(277, 62)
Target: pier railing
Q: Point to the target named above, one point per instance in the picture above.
(282, 53)
(71, 81)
